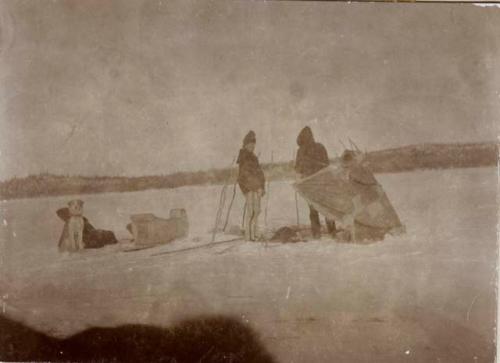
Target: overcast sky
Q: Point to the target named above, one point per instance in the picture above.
(134, 88)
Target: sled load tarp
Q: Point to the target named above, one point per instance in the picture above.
(348, 192)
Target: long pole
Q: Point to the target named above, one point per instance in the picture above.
(221, 202)
(268, 190)
(297, 209)
(230, 206)
(296, 202)
(219, 209)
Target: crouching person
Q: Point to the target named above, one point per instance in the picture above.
(251, 181)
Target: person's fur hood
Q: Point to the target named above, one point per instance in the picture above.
(305, 137)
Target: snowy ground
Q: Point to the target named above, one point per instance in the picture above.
(428, 295)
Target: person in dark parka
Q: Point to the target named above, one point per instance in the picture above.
(252, 181)
(311, 158)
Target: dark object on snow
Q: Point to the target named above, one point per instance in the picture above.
(206, 339)
(286, 234)
(99, 238)
(92, 237)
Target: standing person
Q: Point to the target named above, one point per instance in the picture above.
(312, 157)
(251, 181)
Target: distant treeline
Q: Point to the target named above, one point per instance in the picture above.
(407, 158)
(433, 156)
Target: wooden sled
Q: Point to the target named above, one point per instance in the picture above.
(149, 230)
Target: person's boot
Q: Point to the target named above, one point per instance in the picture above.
(315, 223)
(332, 228)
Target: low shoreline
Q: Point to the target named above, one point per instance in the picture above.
(402, 159)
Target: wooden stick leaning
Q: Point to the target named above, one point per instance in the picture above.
(296, 203)
(222, 201)
(230, 206)
(268, 191)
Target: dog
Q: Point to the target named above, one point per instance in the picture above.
(92, 237)
(72, 235)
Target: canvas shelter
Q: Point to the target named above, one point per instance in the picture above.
(348, 192)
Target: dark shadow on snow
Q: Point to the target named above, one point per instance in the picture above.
(205, 339)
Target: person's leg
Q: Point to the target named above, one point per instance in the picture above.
(315, 223)
(248, 215)
(331, 227)
(255, 219)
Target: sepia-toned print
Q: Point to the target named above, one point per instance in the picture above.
(248, 181)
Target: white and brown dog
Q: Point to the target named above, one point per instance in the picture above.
(72, 235)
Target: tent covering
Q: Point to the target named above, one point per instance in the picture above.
(349, 193)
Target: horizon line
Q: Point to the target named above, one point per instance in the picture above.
(47, 173)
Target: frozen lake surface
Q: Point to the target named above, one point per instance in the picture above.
(428, 295)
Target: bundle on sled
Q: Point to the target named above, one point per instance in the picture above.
(348, 192)
(147, 229)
